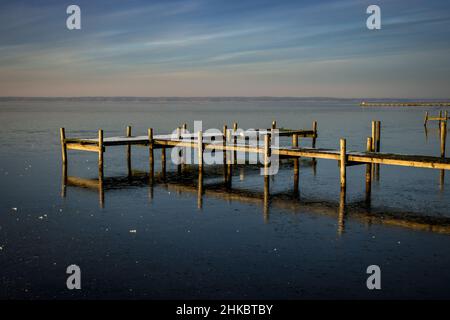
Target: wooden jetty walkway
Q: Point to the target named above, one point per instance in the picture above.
(229, 140)
(405, 104)
(442, 117)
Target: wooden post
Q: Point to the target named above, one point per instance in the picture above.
(295, 140)
(200, 149)
(314, 134)
(274, 124)
(62, 133)
(235, 127)
(343, 158)
(440, 118)
(378, 131)
(426, 119)
(128, 133)
(180, 151)
(266, 153)
(225, 134)
(369, 172)
(374, 135)
(100, 154)
(151, 158)
(443, 137)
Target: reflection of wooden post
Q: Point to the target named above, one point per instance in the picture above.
(368, 172)
(62, 133)
(163, 162)
(443, 137)
(441, 180)
(296, 164)
(266, 198)
(343, 157)
(341, 214)
(426, 119)
(128, 132)
(63, 181)
(100, 154)
(200, 149)
(200, 188)
(314, 134)
(229, 175)
(101, 194)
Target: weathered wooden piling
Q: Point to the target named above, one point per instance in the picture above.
(443, 137)
(151, 156)
(378, 137)
(200, 149)
(274, 124)
(235, 127)
(314, 127)
(343, 161)
(100, 154)
(426, 119)
(266, 154)
(128, 135)
(62, 133)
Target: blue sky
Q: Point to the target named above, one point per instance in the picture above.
(225, 48)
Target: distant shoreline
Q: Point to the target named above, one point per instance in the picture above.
(361, 101)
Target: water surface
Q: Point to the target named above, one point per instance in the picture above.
(166, 242)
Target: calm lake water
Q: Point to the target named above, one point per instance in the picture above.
(157, 243)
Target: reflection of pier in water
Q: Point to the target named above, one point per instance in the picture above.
(205, 183)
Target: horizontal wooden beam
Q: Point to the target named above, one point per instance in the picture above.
(82, 147)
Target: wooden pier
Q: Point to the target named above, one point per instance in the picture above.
(442, 117)
(234, 141)
(405, 104)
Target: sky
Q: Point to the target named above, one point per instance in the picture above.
(311, 48)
